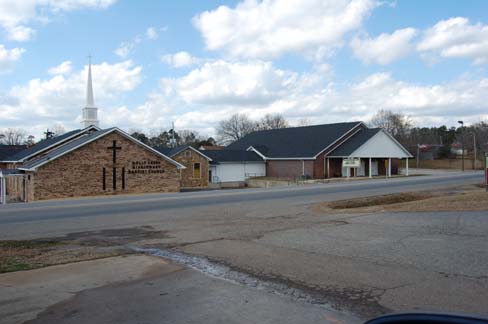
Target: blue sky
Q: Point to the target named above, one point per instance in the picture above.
(198, 62)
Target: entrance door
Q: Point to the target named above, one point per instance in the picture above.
(210, 176)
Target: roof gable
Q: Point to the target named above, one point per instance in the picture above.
(354, 142)
(380, 145)
(84, 140)
(294, 142)
(173, 151)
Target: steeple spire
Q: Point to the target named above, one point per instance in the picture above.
(90, 111)
(90, 102)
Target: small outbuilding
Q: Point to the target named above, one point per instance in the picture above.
(196, 173)
(231, 168)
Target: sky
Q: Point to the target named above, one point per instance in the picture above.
(195, 63)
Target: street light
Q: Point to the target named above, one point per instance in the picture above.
(462, 143)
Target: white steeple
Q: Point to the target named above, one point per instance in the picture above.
(90, 111)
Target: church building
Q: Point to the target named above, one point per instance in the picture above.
(88, 162)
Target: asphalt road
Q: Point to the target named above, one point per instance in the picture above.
(140, 204)
(364, 264)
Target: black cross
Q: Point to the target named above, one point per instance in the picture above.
(114, 149)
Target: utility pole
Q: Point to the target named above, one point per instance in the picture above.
(462, 143)
(474, 151)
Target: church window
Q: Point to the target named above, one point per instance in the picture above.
(196, 170)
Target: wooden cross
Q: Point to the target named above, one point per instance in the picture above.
(114, 149)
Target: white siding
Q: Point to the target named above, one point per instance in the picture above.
(380, 146)
(239, 171)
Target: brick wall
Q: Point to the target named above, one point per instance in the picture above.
(188, 157)
(80, 173)
(289, 168)
(318, 167)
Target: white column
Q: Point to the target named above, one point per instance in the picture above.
(389, 167)
(406, 168)
(370, 169)
(328, 168)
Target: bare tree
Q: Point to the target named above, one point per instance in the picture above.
(30, 141)
(272, 121)
(235, 128)
(397, 124)
(303, 122)
(58, 129)
(13, 136)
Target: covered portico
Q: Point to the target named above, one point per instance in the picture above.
(374, 155)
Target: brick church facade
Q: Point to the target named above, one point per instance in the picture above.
(94, 169)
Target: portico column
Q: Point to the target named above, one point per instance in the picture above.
(370, 169)
(406, 168)
(389, 167)
(328, 168)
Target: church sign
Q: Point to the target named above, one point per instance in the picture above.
(351, 163)
(146, 167)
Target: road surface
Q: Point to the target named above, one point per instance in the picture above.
(363, 264)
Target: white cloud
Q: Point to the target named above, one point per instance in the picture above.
(43, 102)
(221, 82)
(180, 59)
(16, 16)
(8, 58)
(272, 28)
(216, 90)
(152, 33)
(385, 48)
(125, 48)
(62, 68)
(456, 38)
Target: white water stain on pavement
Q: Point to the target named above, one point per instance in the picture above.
(219, 271)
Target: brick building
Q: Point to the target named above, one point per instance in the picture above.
(97, 162)
(196, 172)
(324, 151)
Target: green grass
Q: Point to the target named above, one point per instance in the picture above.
(10, 264)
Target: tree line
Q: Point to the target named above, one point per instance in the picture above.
(400, 126)
(473, 137)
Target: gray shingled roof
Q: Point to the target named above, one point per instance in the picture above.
(173, 151)
(232, 156)
(7, 151)
(84, 139)
(64, 149)
(178, 149)
(295, 142)
(42, 145)
(355, 142)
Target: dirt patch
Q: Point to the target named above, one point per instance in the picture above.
(466, 198)
(379, 200)
(82, 246)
